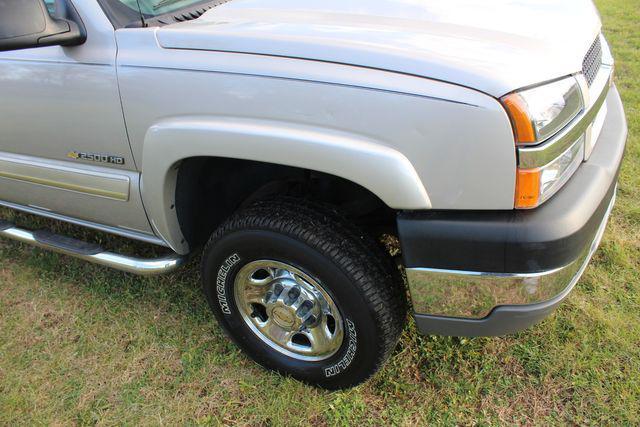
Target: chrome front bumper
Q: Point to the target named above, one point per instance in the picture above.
(474, 295)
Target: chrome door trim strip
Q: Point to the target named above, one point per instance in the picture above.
(93, 183)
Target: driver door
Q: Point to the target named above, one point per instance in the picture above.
(64, 150)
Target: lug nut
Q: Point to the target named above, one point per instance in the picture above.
(309, 321)
(277, 289)
(304, 308)
(294, 294)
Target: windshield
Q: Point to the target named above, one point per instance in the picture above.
(151, 8)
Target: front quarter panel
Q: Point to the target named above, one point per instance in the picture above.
(416, 143)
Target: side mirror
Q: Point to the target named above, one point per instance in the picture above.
(26, 24)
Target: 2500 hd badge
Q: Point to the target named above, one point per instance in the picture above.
(96, 157)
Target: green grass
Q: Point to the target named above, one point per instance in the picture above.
(80, 344)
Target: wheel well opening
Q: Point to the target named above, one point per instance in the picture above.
(210, 189)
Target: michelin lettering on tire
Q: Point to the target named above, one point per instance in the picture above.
(360, 280)
(221, 281)
(352, 347)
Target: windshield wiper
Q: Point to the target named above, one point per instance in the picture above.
(144, 24)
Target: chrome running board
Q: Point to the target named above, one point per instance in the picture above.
(92, 252)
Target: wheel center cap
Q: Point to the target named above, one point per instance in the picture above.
(283, 317)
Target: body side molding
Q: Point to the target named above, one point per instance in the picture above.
(109, 185)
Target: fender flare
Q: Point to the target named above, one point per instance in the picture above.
(373, 165)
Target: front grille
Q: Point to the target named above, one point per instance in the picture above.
(592, 61)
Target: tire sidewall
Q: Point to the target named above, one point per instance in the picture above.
(224, 258)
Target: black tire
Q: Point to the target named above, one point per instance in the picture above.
(360, 278)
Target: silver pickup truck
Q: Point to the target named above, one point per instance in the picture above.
(286, 140)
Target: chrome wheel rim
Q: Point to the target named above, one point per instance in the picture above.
(288, 310)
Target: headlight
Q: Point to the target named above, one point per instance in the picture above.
(540, 112)
(537, 115)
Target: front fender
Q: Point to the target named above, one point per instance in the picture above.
(381, 169)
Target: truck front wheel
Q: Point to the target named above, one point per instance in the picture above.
(303, 292)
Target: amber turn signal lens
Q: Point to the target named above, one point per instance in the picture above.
(520, 118)
(527, 188)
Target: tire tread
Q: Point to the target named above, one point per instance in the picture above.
(324, 229)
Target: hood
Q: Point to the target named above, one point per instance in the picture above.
(494, 46)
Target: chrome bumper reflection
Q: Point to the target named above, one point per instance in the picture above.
(470, 294)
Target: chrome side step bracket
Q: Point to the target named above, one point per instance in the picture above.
(92, 252)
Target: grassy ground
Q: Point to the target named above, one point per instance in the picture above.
(80, 344)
